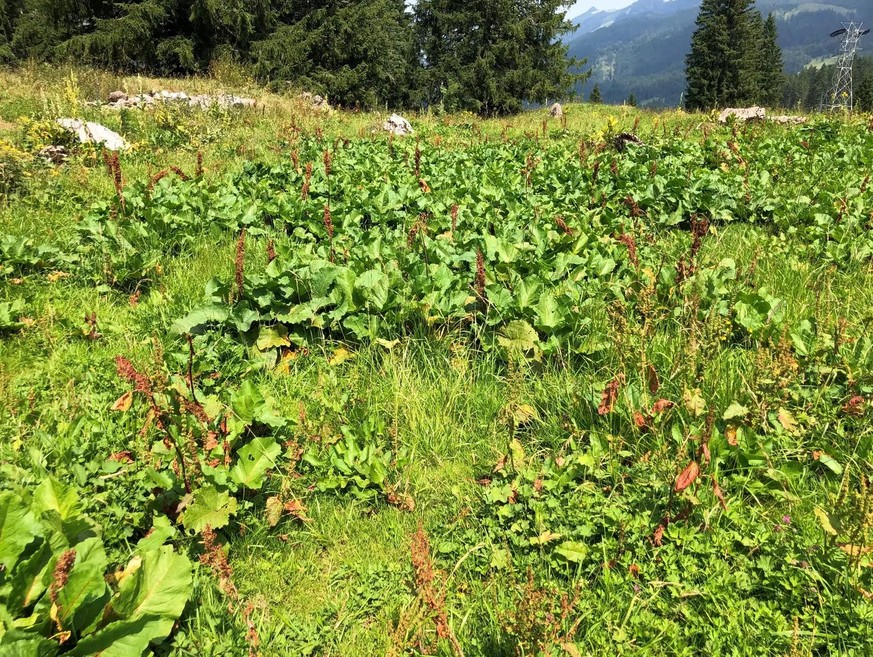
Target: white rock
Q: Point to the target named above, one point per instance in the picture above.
(88, 133)
(397, 125)
(228, 100)
(556, 110)
(742, 114)
(788, 119)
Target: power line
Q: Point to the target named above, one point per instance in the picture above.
(841, 95)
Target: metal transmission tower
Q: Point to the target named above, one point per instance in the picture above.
(840, 96)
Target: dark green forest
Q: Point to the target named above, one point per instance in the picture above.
(805, 89)
(486, 56)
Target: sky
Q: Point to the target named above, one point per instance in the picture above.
(584, 5)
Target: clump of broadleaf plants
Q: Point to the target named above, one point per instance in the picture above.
(703, 469)
(59, 592)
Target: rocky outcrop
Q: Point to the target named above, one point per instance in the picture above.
(397, 125)
(120, 100)
(315, 101)
(742, 114)
(94, 133)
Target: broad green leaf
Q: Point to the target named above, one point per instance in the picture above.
(125, 638)
(271, 337)
(18, 527)
(573, 551)
(17, 643)
(209, 507)
(81, 600)
(159, 588)
(254, 460)
(518, 335)
(549, 314)
(196, 320)
(55, 496)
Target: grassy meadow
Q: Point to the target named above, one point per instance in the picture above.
(504, 387)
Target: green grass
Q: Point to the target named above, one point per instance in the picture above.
(736, 581)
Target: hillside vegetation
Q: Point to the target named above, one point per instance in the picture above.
(274, 382)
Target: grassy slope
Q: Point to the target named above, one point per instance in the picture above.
(340, 582)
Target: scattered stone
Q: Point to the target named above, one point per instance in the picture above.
(556, 111)
(315, 101)
(120, 100)
(54, 154)
(94, 133)
(621, 141)
(742, 114)
(789, 120)
(397, 125)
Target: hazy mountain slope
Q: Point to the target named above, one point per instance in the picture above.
(641, 49)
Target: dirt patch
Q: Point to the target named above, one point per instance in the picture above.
(7, 127)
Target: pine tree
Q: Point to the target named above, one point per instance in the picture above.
(9, 9)
(594, 96)
(357, 54)
(772, 78)
(864, 94)
(490, 56)
(723, 66)
(631, 101)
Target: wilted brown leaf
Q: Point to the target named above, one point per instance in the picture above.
(124, 402)
(730, 435)
(121, 457)
(704, 450)
(687, 477)
(855, 406)
(716, 490)
(295, 508)
(661, 405)
(609, 395)
(641, 421)
(652, 379)
(658, 537)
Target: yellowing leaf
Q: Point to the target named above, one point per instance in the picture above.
(735, 410)
(388, 344)
(516, 452)
(545, 537)
(825, 521)
(340, 356)
(571, 649)
(694, 402)
(273, 511)
(786, 419)
(856, 550)
(524, 413)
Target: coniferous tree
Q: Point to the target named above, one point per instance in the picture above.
(772, 78)
(490, 56)
(359, 53)
(723, 66)
(594, 96)
(9, 10)
(864, 95)
(631, 101)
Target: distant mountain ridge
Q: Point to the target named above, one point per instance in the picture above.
(641, 49)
